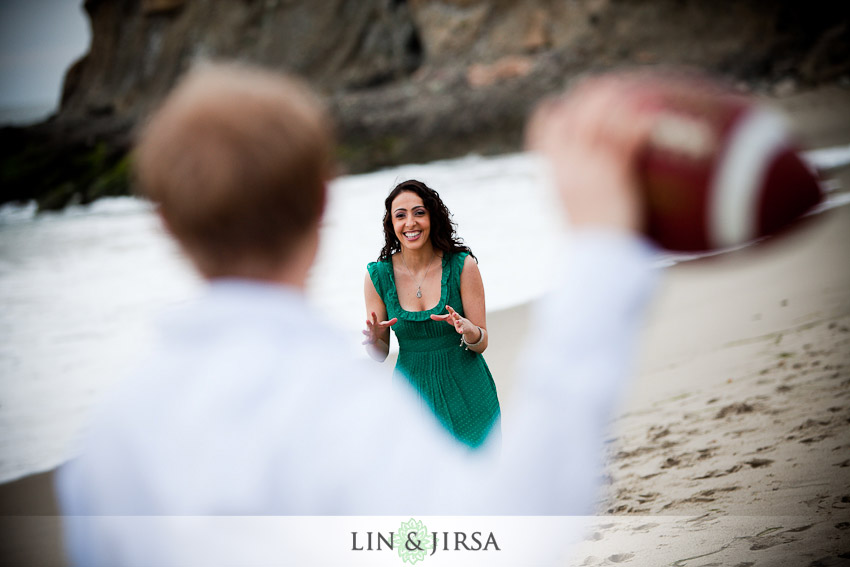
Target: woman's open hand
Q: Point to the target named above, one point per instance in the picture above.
(374, 328)
(462, 325)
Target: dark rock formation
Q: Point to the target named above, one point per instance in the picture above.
(406, 80)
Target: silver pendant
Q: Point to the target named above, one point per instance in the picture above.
(419, 292)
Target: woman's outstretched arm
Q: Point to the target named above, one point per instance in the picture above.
(472, 296)
(473, 327)
(377, 330)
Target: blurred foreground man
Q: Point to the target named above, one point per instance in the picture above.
(250, 406)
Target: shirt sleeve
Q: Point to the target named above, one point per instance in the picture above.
(577, 360)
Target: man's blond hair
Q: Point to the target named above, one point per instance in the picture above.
(237, 160)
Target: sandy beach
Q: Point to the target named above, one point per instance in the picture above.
(732, 446)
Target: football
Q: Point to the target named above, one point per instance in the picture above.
(720, 170)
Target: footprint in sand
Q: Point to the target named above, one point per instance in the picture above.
(717, 473)
(737, 408)
(766, 542)
(758, 463)
(841, 502)
(702, 497)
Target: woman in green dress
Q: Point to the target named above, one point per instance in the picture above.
(426, 287)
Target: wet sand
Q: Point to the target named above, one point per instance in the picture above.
(733, 446)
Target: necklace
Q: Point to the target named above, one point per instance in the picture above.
(418, 287)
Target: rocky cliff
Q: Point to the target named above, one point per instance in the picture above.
(407, 81)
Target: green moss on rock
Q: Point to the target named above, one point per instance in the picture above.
(56, 175)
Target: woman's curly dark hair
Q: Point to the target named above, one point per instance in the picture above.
(443, 236)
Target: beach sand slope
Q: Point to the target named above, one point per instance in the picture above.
(733, 445)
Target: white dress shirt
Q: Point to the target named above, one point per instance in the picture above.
(250, 405)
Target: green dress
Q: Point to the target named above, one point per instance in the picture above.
(455, 382)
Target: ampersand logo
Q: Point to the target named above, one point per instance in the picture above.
(413, 541)
(410, 541)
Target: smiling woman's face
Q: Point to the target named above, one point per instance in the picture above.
(411, 220)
